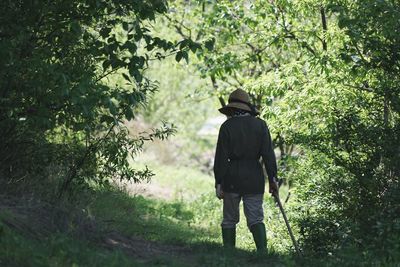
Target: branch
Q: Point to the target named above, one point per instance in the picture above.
(178, 25)
(74, 170)
(291, 35)
(365, 87)
(324, 28)
(232, 83)
(215, 85)
(237, 78)
(106, 73)
(359, 52)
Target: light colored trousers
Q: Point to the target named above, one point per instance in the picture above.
(253, 209)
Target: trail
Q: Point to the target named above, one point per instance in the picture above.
(145, 250)
(39, 220)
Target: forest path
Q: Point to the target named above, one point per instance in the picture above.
(147, 251)
(43, 223)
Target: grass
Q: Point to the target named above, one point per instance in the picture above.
(191, 225)
(194, 191)
(168, 223)
(189, 220)
(154, 220)
(184, 182)
(17, 249)
(181, 230)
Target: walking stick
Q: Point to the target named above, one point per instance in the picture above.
(276, 196)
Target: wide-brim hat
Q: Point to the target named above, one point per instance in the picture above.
(239, 99)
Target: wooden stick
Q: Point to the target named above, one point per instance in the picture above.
(276, 196)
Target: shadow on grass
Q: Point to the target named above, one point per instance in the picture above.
(154, 220)
(163, 226)
(213, 254)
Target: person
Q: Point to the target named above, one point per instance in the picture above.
(243, 139)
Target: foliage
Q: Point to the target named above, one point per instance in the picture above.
(182, 99)
(325, 75)
(71, 74)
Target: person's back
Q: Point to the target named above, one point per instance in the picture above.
(243, 139)
(244, 134)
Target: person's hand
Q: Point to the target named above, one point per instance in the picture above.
(274, 187)
(218, 192)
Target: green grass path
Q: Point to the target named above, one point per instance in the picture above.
(110, 227)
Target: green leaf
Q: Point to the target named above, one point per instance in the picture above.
(184, 43)
(106, 64)
(112, 107)
(194, 46)
(127, 77)
(185, 56)
(106, 118)
(129, 114)
(136, 74)
(179, 56)
(150, 47)
(131, 46)
(125, 26)
(75, 27)
(104, 32)
(210, 44)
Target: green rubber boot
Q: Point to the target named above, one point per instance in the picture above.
(229, 237)
(260, 237)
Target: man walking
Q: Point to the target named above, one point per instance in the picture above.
(243, 139)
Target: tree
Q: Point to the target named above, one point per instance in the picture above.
(324, 75)
(71, 73)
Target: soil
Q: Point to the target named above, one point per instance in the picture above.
(145, 250)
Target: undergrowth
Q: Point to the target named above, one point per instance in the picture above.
(183, 231)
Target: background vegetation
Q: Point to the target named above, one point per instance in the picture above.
(98, 97)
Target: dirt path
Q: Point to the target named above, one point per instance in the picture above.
(39, 220)
(147, 251)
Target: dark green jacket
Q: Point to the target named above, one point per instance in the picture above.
(242, 141)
